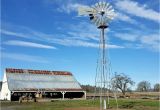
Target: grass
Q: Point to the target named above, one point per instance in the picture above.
(129, 104)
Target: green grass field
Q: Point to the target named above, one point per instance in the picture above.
(124, 104)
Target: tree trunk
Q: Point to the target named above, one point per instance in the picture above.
(124, 93)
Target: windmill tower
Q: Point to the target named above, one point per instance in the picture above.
(101, 14)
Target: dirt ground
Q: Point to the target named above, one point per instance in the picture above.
(90, 108)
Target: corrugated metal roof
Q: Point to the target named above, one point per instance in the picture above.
(12, 70)
(29, 81)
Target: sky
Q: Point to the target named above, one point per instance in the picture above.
(50, 35)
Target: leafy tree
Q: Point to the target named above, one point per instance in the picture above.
(122, 82)
(157, 87)
(143, 86)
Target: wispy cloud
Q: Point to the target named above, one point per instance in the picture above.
(151, 41)
(125, 18)
(28, 44)
(73, 7)
(85, 35)
(139, 41)
(64, 6)
(84, 30)
(71, 42)
(24, 57)
(11, 33)
(114, 46)
(127, 36)
(132, 7)
(70, 7)
(26, 33)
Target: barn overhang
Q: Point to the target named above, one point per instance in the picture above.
(65, 94)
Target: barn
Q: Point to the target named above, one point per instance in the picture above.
(41, 84)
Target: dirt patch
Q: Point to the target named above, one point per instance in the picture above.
(82, 108)
(90, 108)
(145, 108)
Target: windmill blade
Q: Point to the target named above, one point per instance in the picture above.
(102, 21)
(96, 5)
(95, 8)
(112, 14)
(94, 20)
(106, 19)
(100, 14)
(109, 8)
(100, 4)
(84, 10)
(104, 5)
(112, 10)
(107, 4)
(97, 21)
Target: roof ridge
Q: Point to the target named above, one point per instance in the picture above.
(14, 70)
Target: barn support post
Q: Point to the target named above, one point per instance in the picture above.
(63, 94)
(84, 94)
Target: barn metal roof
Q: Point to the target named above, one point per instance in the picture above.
(27, 80)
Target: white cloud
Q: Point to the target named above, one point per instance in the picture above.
(84, 43)
(134, 8)
(84, 30)
(127, 37)
(124, 17)
(84, 35)
(24, 57)
(10, 33)
(134, 45)
(80, 43)
(114, 46)
(139, 41)
(152, 41)
(27, 34)
(28, 44)
(70, 7)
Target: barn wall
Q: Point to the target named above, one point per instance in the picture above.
(5, 92)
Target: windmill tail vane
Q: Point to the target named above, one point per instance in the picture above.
(84, 11)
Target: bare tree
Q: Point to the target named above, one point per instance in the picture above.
(157, 87)
(143, 86)
(122, 82)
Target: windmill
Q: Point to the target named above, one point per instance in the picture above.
(101, 14)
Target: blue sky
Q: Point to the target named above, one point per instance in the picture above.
(49, 35)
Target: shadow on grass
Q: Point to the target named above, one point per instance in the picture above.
(128, 105)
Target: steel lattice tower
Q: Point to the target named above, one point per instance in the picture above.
(101, 14)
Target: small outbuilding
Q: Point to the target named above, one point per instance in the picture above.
(40, 83)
